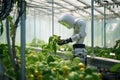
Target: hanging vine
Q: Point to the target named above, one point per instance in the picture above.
(1, 28)
(5, 10)
(109, 5)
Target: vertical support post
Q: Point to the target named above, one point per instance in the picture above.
(104, 26)
(1, 71)
(9, 44)
(40, 24)
(52, 17)
(23, 29)
(35, 27)
(92, 27)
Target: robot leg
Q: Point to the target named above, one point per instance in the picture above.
(82, 53)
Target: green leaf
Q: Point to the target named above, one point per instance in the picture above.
(50, 39)
(50, 59)
(54, 47)
(10, 19)
(115, 68)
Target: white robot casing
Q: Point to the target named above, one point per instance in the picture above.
(67, 20)
(79, 33)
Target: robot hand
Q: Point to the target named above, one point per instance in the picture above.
(63, 41)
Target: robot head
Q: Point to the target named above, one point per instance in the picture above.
(67, 20)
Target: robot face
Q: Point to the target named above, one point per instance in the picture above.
(65, 24)
(67, 20)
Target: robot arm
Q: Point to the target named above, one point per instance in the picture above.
(64, 41)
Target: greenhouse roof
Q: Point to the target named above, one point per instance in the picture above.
(80, 8)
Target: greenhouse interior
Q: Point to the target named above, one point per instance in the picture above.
(59, 39)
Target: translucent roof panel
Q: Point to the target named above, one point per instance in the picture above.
(78, 7)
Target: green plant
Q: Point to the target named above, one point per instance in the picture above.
(115, 68)
(6, 60)
(37, 43)
(116, 49)
(101, 52)
(45, 65)
(52, 45)
(12, 26)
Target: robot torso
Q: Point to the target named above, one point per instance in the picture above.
(79, 31)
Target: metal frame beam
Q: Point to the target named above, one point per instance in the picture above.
(77, 7)
(60, 7)
(41, 7)
(90, 6)
(107, 4)
(67, 8)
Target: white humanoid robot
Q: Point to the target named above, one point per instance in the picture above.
(78, 37)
